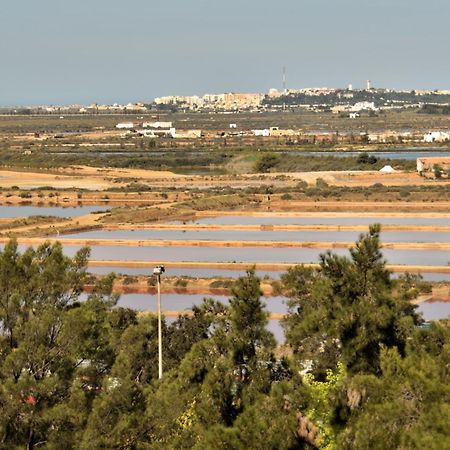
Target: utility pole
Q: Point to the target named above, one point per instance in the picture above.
(158, 270)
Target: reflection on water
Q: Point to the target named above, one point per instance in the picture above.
(7, 211)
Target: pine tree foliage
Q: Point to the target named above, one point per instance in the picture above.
(358, 369)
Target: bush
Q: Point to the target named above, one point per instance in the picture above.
(267, 162)
(437, 171)
(321, 183)
(365, 158)
(181, 282)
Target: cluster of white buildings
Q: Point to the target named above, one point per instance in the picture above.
(130, 107)
(156, 129)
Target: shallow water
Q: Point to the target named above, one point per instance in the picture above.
(250, 255)
(434, 310)
(244, 235)
(187, 272)
(7, 211)
(182, 302)
(338, 220)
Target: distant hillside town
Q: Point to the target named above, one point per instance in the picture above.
(315, 99)
(349, 101)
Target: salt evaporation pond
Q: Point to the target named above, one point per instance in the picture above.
(249, 254)
(180, 272)
(321, 220)
(244, 235)
(434, 310)
(7, 211)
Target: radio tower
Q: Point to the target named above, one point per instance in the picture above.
(284, 87)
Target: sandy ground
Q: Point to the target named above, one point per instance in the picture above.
(80, 177)
(30, 180)
(358, 178)
(245, 266)
(101, 178)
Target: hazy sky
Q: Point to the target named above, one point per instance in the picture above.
(80, 51)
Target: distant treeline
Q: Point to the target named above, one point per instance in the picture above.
(435, 109)
(380, 98)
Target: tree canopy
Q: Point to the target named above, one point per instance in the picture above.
(358, 369)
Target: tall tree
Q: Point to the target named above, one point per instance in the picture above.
(346, 309)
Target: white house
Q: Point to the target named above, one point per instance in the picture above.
(436, 136)
(125, 125)
(265, 132)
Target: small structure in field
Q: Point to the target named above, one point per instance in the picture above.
(387, 169)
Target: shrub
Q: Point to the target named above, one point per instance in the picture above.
(266, 162)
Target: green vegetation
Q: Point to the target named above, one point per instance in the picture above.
(378, 98)
(272, 162)
(358, 371)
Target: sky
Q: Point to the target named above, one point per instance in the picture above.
(107, 51)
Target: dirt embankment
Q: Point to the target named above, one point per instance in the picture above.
(218, 227)
(244, 266)
(220, 244)
(222, 286)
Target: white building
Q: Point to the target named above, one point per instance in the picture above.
(125, 125)
(436, 136)
(362, 106)
(158, 125)
(159, 132)
(265, 132)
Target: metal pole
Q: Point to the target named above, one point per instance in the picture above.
(159, 330)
